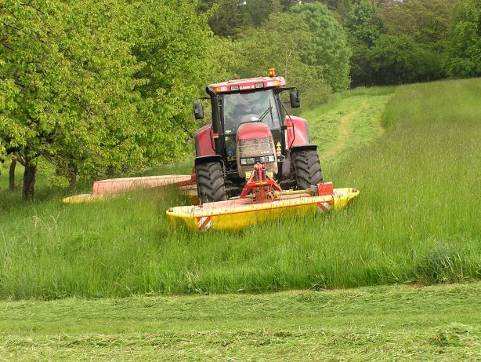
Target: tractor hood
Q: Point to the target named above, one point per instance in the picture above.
(253, 130)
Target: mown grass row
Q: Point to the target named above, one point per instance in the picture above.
(357, 324)
(348, 122)
(417, 220)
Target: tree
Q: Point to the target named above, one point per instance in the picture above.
(464, 46)
(11, 174)
(226, 17)
(100, 88)
(364, 27)
(363, 23)
(328, 49)
(67, 78)
(311, 54)
(180, 56)
(426, 21)
(280, 43)
(397, 59)
(229, 17)
(398, 41)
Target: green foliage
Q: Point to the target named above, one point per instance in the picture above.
(230, 17)
(227, 17)
(260, 10)
(328, 48)
(281, 43)
(68, 83)
(100, 87)
(363, 23)
(426, 21)
(423, 27)
(311, 54)
(465, 41)
(397, 59)
(364, 27)
(179, 56)
(399, 42)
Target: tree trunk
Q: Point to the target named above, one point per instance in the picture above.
(11, 175)
(72, 179)
(29, 181)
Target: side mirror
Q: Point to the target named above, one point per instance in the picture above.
(295, 99)
(198, 110)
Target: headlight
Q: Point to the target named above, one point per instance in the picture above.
(252, 160)
(248, 161)
(267, 159)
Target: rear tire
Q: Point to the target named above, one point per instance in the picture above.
(210, 182)
(307, 168)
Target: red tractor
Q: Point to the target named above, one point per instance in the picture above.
(254, 162)
(251, 126)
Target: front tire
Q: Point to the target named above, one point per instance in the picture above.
(307, 168)
(210, 182)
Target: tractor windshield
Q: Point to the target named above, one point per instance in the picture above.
(250, 107)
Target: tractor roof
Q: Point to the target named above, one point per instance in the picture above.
(237, 85)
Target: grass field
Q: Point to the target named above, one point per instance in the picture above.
(348, 122)
(417, 219)
(432, 323)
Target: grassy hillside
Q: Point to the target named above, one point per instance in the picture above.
(417, 219)
(349, 121)
(436, 323)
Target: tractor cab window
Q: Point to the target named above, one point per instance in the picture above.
(250, 107)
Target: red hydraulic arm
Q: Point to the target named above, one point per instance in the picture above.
(260, 186)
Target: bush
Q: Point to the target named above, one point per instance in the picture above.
(397, 59)
(398, 42)
(464, 48)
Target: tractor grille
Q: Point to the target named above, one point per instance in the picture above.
(255, 147)
(256, 150)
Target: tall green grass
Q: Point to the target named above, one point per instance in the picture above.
(417, 220)
(348, 122)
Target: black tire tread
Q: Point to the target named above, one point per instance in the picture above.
(210, 182)
(307, 168)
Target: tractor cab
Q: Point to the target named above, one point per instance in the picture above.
(250, 126)
(256, 106)
(249, 107)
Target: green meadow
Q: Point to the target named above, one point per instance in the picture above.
(413, 151)
(373, 323)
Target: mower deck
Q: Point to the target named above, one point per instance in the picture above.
(239, 213)
(108, 188)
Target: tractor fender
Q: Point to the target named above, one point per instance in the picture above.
(297, 133)
(304, 148)
(204, 142)
(210, 158)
